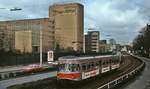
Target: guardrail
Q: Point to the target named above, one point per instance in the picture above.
(9, 74)
(124, 77)
(19, 73)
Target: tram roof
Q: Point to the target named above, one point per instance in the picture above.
(82, 58)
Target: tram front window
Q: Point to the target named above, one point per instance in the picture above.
(69, 67)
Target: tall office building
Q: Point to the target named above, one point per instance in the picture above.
(68, 20)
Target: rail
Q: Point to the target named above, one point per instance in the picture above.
(124, 77)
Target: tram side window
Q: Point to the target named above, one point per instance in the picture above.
(96, 63)
(112, 61)
(99, 63)
(83, 67)
(88, 66)
(92, 64)
(75, 67)
(61, 67)
(108, 61)
(104, 62)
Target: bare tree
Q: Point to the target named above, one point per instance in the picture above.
(142, 42)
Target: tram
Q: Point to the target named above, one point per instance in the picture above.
(80, 68)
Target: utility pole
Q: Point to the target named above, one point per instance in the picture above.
(40, 43)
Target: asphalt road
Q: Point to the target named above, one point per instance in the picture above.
(5, 83)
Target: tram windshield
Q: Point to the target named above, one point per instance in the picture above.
(69, 67)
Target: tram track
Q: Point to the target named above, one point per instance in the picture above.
(129, 63)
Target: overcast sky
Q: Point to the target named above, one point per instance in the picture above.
(121, 19)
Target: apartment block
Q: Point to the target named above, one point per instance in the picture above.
(91, 41)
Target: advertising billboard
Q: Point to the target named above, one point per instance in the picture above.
(50, 56)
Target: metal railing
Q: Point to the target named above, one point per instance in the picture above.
(124, 77)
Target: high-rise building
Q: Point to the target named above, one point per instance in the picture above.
(68, 20)
(91, 41)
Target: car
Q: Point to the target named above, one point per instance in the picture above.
(32, 68)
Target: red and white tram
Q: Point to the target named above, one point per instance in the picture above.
(80, 68)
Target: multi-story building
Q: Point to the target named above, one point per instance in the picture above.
(5, 38)
(92, 41)
(103, 46)
(112, 44)
(112, 41)
(1, 36)
(86, 44)
(68, 20)
(35, 26)
(64, 27)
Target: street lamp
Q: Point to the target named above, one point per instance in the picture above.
(40, 44)
(13, 9)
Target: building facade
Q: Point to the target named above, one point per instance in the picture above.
(23, 41)
(91, 41)
(5, 37)
(33, 25)
(68, 20)
(103, 46)
(112, 44)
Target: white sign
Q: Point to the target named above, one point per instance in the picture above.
(115, 66)
(105, 69)
(50, 56)
(90, 74)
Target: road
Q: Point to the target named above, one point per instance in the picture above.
(19, 67)
(5, 83)
(142, 81)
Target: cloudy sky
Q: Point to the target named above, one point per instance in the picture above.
(120, 19)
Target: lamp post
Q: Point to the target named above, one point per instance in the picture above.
(40, 43)
(13, 9)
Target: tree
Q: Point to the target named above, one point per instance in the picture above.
(142, 42)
